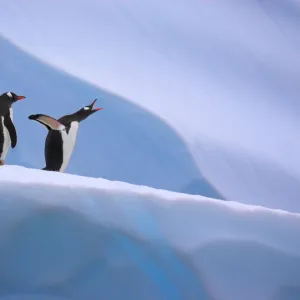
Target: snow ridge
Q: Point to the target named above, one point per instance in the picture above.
(95, 237)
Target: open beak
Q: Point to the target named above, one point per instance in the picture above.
(20, 98)
(92, 106)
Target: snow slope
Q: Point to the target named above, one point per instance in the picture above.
(121, 142)
(64, 236)
(223, 74)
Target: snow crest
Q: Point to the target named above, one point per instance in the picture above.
(64, 236)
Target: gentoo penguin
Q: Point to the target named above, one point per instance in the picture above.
(61, 136)
(8, 134)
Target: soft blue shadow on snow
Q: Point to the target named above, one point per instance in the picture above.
(58, 253)
(146, 224)
(261, 264)
(121, 142)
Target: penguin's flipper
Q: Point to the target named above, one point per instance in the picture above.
(47, 121)
(11, 129)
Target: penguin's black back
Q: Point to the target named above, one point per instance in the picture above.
(53, 151)
(4, 108)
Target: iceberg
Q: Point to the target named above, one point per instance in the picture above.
(64, 236)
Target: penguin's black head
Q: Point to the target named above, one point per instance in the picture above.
(86, 111)
(10, 98)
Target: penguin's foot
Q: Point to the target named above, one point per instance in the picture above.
(1, 162)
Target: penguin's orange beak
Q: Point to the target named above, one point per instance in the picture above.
(20, 97)
(95, 109)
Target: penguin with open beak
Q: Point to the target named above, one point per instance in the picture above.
(61, 137)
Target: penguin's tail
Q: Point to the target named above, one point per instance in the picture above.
(51, 169)
(47, 169)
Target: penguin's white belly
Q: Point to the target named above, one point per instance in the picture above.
(7, 141)
(69, 140)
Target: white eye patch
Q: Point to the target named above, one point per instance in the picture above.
(86, 108)
(9, 94)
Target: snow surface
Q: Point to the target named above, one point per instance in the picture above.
(64, 236)
(223, 74)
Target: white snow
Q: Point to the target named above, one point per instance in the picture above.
(223, 74)
(64, 236)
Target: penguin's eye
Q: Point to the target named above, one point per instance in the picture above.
(86, 108)
(9, 94)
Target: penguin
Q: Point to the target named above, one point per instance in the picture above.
(61, 137)
(8, 133)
